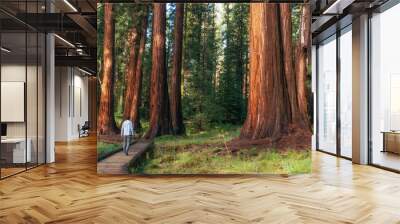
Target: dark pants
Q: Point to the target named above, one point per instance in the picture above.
(126, 143)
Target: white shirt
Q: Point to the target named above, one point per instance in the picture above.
(127, 128)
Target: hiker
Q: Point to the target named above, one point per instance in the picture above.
(127, 132)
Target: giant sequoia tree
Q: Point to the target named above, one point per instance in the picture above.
(137, 88)
(297, 117)
(105, 117)
(176, 106)
(302, 53)
(160, 122)
(268, 107)
(130, 70)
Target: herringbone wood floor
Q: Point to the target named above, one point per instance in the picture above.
(70, 191)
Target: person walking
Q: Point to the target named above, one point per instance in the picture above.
(127, 132)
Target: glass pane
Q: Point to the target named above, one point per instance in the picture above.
(13, 79)
(346, 93)
(327, 97)
(31, 97)
(385, 86)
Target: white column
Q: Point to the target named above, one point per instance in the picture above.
(50, 92)
(360, 90)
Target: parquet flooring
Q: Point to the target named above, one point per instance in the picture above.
(70, 191)
(11, 170)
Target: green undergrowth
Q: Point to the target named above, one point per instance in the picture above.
(204, 153)
(105, 149)
(218, 134)
(208, 161)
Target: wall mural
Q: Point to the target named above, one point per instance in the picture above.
(204, 88)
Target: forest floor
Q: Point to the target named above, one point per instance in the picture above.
(104, 148)
(210, 152)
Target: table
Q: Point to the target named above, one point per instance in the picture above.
(391, 141)
(13, 150)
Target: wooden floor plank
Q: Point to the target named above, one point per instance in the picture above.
(70, 191)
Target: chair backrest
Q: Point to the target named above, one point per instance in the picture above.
(86, 125)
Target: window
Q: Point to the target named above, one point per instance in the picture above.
(385, 89)
(346, 92)
(22, 76)
(327, 95)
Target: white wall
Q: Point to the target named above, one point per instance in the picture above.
(71, 102)
(61, 103)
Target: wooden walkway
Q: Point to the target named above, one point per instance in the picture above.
(118, 163)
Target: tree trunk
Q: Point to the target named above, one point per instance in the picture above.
(267, 112)
(104, 119)
(290, 75)
(176, 107)
(160, 122)
(303, 46)
(134, 113)
(113, 124)
(130, 71)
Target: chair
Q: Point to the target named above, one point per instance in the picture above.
(84, 130)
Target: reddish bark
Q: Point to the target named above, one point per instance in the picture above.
(287, 49)
(104, 118)
(134, 113)
(113, 123)
(159, 106)
(130, 71)
(267, 112)
(176, 106)
(303, 46)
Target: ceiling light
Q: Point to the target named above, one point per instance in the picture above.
(65, 41)
(5, 50)
(70, 5)
(84, 71)
(337, 7)
(79, 51)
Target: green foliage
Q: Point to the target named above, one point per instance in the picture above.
(199, 64)
(206, 161)
(106, 148)
(170, 34)
(296, 21)
(235, 62)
